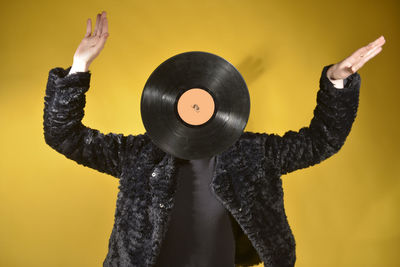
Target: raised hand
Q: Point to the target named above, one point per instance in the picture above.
(353, 63)
(91, 44)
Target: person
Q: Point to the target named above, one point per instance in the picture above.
(224, 210)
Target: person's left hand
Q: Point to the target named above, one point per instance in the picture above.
(353, 63)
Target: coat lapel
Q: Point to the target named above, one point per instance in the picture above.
(162, 189)
(237, 175)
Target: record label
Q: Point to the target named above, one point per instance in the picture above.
(195, 106)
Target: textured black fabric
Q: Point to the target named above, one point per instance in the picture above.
(247, 179)
(199, 233)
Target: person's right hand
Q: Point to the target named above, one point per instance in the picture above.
(91, 44)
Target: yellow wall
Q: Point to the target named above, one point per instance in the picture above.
(343, 212)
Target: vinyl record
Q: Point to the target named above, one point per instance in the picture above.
(195, 105)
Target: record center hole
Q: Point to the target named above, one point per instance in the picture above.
(195, 106)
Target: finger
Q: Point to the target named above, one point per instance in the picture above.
(364, 50)
(370, 51)
(377, 51)
(378, 42)
(105, 25)
(99, 32)
(96, 27)
(382, 40)
(88, 27)
(103, 22)
(365, 59)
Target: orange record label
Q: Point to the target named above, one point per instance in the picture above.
(195, 106)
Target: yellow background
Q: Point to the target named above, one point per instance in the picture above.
(343, 212)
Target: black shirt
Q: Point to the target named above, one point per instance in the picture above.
(199, 233)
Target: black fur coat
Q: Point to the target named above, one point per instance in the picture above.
(247, 179)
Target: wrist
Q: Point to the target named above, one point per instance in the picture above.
(79, 66)
(337, 83)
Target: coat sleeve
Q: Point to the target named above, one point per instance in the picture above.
(64, 104)
(333, 118)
